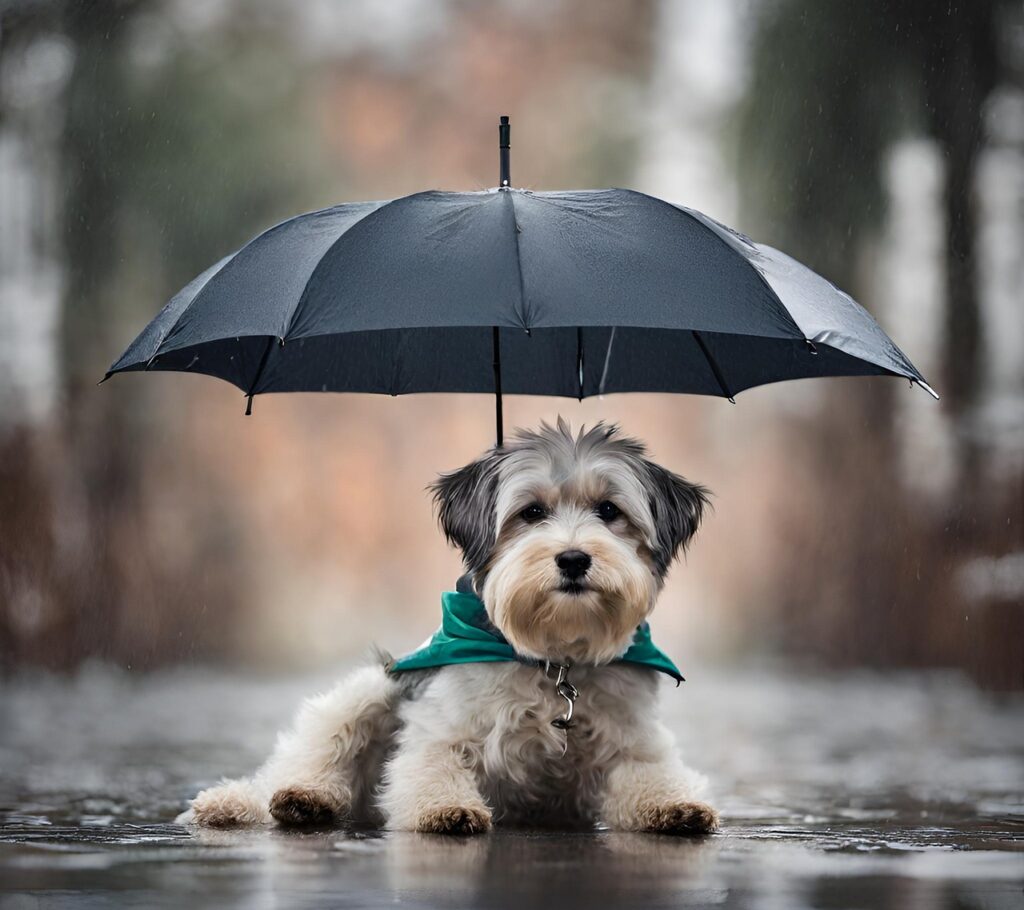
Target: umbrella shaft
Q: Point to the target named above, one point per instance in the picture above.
(504, 180)
(498, 421)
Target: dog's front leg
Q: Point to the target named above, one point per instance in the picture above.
(431, 787)
(311, 775)
(650, 789)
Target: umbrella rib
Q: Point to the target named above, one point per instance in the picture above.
(729, 245)
(579, 363)
(258, 376)
(377, 206)
(214, 271)
(607, 362)
(519, 259)
(719, 378)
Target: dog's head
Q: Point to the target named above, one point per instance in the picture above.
(568, 537)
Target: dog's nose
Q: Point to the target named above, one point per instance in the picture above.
(573, 563)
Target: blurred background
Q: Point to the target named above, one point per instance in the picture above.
(857, 522)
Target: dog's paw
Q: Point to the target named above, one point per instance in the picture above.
(298, 807)
(232, 804)
(685, 819)
(454, 820)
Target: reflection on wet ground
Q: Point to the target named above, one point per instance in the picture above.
(838, 791)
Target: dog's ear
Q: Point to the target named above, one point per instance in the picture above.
(466, 503)
(677, 507)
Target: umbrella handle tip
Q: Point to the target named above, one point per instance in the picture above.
(504, 134)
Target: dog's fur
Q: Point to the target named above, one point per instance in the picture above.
(455, 749)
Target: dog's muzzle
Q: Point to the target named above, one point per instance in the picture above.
(573, 566)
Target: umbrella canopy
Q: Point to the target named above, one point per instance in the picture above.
(572, 293)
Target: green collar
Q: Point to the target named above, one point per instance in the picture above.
(466, 636)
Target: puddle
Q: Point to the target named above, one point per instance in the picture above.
(843, 791)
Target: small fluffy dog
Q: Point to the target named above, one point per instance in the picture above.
(535, 702)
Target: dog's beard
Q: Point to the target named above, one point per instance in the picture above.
(544, 617)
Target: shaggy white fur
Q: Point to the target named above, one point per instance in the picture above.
(458, 748)
(474, 746)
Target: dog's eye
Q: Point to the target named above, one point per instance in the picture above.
(608, 511)
(533, 512)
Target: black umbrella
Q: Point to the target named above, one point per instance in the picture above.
(572, 293)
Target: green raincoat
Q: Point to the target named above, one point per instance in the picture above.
(466, 636)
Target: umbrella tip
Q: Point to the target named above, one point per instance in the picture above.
(924, 385)
(504, 131)
(248, 405)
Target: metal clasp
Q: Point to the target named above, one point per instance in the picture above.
(568, 691)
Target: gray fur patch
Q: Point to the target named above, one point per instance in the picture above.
(466, 507)
(678, 508)
(413, 683)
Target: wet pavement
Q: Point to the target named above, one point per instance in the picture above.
(840, 791)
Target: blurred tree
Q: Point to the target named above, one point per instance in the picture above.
(99, 482)
(832, 85)
(167, 159)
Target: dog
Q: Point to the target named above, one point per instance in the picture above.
(534, 704)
